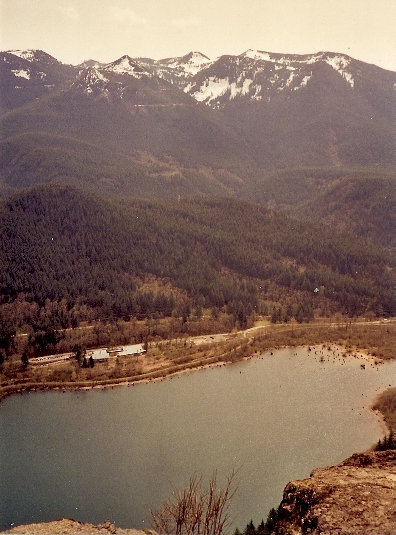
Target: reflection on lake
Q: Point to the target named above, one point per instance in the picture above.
(113, 454)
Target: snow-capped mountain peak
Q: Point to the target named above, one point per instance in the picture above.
(197, 57)
(90, 63)
(257, 54)
(24, 54)
(182, 68)
(126, 65)
(192, 63)
(253, 76)
(34, 56)
(339, 62)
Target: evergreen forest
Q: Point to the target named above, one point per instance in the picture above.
(69, 256)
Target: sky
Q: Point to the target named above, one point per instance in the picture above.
(76, 30)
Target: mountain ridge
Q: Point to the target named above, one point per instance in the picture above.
(331, 100)
(218, 251)
(144, 128)
(182, 71)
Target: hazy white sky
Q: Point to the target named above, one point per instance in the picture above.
(74, 30)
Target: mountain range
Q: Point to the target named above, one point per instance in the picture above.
(309, 138)
(190, 125)
(252, 76)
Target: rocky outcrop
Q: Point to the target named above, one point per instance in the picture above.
(356, 497)
(67, 526)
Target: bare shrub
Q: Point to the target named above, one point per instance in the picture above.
(195, 510)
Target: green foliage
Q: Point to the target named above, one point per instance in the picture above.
(264, 528)
(387, 443)
(250, 529)
(191, 134)
(80, 355)
(7, 334)
(357, 200)
(43, 341)
(386, 404)
(24, 360)
(62, 248)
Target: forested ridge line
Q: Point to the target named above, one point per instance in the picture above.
(61, 243)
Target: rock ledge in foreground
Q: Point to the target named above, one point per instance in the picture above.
(356, 497)
(68, 526)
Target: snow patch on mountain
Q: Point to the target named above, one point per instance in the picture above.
(180, 70)
(290, 79)
(211, 89)
(24, 54)
(246, 86)
(21, 73)
(92, 80)
(304, 81)
(98, 75)
(34, 56)
(191, 64)
(257, 55)
(340, 64)
(294, 82)
(126, 65)
(90, 63)
(240, 89)
(257, 92)
(253, 82)
(279, 59)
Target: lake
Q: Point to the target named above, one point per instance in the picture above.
(113, 454)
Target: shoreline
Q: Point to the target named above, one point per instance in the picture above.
(309, 350)
(366, 340)
(171, 372)
(157, 376)
(161, 374)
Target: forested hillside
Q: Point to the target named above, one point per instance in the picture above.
(61, 245)
(253, 184)
(311, 135)
(358, 200)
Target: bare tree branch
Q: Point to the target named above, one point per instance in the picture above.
(196, 511)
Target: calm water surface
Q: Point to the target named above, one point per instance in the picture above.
(113, 454)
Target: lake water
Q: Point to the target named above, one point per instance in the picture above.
(113, 454)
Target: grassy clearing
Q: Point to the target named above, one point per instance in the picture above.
(377, 340)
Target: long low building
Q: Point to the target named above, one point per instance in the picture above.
(99, 355)
(136, 349)
(50, 358)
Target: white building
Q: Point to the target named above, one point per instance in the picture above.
(50, 359)
(136, 349)
(98, 355)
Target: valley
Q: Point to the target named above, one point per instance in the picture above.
(236, 210)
